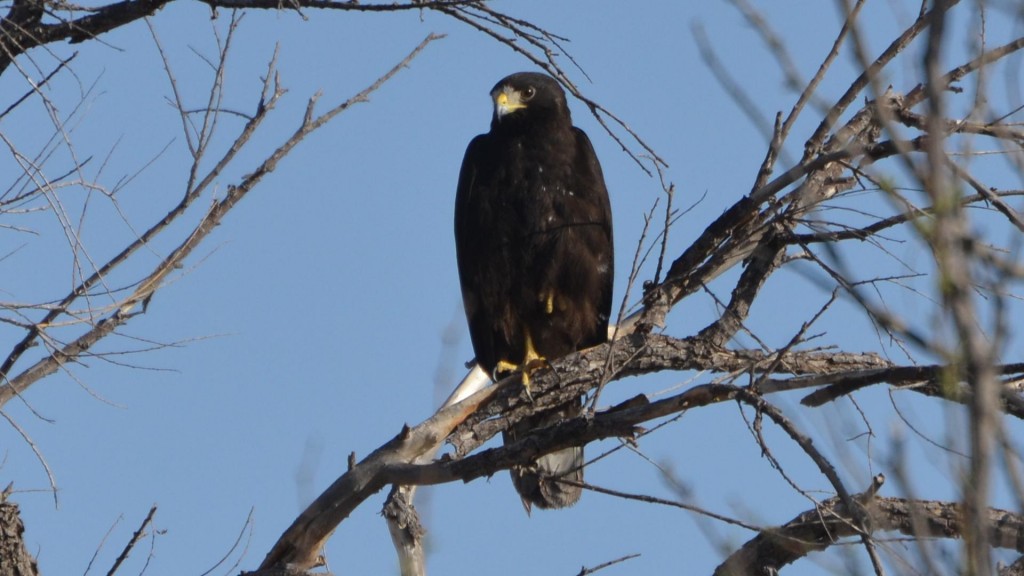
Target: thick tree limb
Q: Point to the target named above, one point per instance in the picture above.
(484, 414)
(23, 29)
(827, 524)
(299, 546)
(394, 462)
(909, 376)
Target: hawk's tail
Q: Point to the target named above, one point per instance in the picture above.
(538, 483)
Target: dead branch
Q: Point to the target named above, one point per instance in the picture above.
(299, 546)
(584, 571)
(928, 380)
(23, 29)
(755, 233)
(126, 309)
(830, 522)
(470, 423)
(136, 536)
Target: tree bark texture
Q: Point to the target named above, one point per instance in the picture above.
(14, 557)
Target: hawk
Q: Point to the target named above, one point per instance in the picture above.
(533, 237)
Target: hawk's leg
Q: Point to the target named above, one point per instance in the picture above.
(531, 362)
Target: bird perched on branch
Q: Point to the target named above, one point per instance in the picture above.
(533, 235)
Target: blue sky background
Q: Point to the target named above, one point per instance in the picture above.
(325, 312)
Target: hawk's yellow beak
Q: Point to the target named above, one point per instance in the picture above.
(507, 101)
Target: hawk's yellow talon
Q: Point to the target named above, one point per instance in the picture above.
(526, 385)
(505, 366)
(531, 361)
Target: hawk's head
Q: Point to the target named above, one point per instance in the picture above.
(528, 97)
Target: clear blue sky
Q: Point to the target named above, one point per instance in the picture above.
(313, 322)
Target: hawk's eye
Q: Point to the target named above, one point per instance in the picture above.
(529, 93)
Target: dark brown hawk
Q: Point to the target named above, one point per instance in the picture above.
(533, 233)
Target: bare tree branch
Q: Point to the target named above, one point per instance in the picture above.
(136, 536)
(896, 146)
(831, 521)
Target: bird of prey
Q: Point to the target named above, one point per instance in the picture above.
(533, 236)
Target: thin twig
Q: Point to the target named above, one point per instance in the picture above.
(131, 543)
